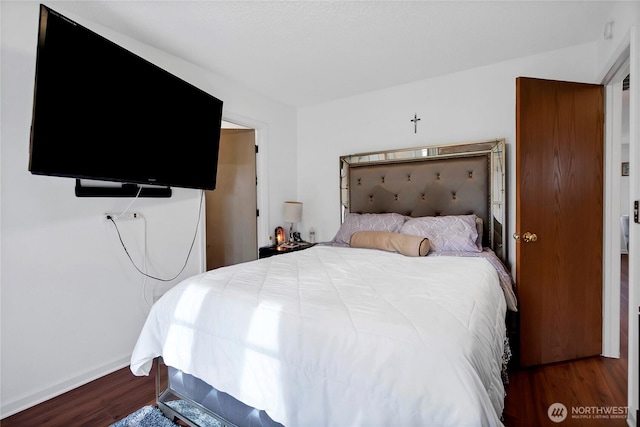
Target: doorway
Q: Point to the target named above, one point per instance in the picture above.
(620, 323)
(231, 209)
(615, 308)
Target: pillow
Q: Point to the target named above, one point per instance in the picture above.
(367, 222)
(446, 233)
(394, 242)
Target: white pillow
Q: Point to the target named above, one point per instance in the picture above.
(354, 222)
(446, 233)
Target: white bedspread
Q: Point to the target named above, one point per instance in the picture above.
(341, 337)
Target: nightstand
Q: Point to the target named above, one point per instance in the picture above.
(267, 251)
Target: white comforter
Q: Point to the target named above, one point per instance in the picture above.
(341, 337)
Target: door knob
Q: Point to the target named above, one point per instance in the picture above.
(527, 237)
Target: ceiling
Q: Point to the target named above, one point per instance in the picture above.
(307, 52)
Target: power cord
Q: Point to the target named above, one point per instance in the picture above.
(195, 234)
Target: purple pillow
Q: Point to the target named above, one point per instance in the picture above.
(353, 222)
(446, 233)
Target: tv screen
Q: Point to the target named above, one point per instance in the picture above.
(103, 113)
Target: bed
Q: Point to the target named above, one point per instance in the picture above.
(362, 330)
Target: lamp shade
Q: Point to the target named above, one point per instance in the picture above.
(292, 212)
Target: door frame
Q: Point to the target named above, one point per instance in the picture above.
(630, 46)
(611, 251)
(634, 231)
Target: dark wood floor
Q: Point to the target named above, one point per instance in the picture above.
(597, 381)
(589, 382)
(98, 403)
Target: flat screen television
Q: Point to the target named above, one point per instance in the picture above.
(101, 112)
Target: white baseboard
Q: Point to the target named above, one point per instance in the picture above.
(27, 400)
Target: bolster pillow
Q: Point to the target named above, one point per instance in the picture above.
(406, 244)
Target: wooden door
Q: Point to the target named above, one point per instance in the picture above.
(232, 207)
(559, 198)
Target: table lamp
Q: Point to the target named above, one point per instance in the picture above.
(292, 214)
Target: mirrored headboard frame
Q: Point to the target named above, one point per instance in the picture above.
(492, 150)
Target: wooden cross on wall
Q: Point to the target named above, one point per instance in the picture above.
(415, 121)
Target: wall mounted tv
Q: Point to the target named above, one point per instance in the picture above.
(101, 112)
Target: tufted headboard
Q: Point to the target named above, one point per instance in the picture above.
(457, 179)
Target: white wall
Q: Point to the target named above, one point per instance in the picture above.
(71, 304)
(467, 106)
(624, 15)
